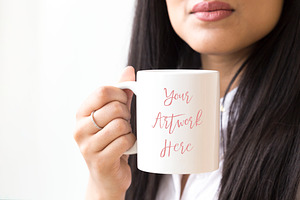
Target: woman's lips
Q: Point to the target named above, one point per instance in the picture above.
(212, 10)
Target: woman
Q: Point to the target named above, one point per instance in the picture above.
(255, 45)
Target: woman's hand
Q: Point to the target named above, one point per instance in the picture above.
(103, 150)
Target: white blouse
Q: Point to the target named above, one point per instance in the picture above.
(203, 186)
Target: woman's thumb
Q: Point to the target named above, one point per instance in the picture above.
(128, 74)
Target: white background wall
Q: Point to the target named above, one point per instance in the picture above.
(53, 53)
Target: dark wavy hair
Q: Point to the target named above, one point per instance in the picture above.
(262, 150)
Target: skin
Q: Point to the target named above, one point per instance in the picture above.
(223, 45)
(226, 43)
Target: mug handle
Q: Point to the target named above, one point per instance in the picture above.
(131, 85)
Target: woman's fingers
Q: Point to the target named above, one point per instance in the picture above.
(110, 154)
(99, 98)
(112, 110)
(118, 147)
(102, 117)
(113, 130)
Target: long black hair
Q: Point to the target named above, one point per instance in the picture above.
(262, 150)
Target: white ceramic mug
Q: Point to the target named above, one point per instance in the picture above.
(177, 120)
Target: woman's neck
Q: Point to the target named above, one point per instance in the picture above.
(227, 65)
